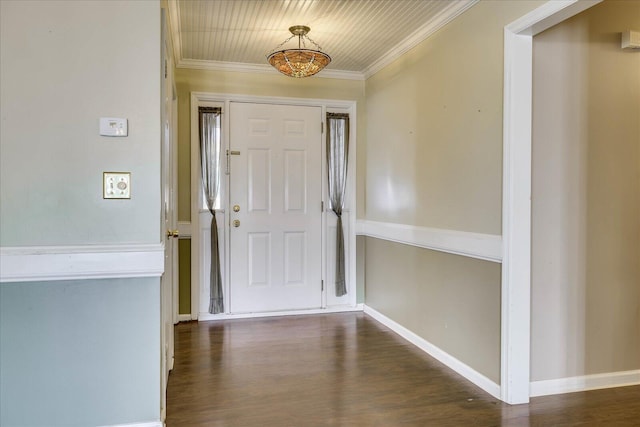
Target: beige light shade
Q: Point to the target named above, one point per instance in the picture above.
(299, 62)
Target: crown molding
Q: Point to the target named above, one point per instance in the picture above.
(440, 20)
(199, 64)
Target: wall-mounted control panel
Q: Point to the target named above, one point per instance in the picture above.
(116, 185)
(113, 126)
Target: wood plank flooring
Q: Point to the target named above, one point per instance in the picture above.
(348, 370)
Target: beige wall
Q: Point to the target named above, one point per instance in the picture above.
(586, 196)
(434, 126)
(434, 158)
(455, 306)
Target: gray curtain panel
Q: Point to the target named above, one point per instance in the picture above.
(337, 157)
(210, 162)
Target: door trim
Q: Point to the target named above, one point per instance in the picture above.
(516, 192)
(226, 99)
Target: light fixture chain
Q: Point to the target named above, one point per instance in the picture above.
(282, 44)
(311, 40)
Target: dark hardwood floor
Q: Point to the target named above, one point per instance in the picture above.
(348, 370)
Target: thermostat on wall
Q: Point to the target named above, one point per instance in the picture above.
(113, 126)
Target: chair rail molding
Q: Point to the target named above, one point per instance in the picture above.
(52, 263)
(487, 247)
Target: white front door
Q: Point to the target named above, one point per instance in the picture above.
(275, 194)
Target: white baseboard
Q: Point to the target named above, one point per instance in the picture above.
(50, 263)
(338, 309)
(584, 383)
(184, 318)
(149, 424)
(487, 247)
(461, 368)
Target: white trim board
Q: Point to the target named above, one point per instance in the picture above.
(440, 355)
(150, 424)
(487, 247)
(51, 263)
(584, 383)
(338, 309)
(184, 229)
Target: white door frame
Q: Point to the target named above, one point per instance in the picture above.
(226, 99)
(516, 193)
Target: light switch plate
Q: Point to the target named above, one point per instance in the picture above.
(116, 185)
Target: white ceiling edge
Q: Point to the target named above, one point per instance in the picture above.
(200, 64)
(443, 18)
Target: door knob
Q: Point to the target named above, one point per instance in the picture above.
(236, 223)
(236, 208)
(173, 233)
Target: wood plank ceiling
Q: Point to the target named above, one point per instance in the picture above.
(359, 35)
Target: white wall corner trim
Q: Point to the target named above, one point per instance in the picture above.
(584, 383)
(150, 424)
(51, 263)
(487, 247)
(460, 367)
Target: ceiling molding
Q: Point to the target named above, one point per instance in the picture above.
(421, 34)
(453, 10)
(174, 30)
(199, 64)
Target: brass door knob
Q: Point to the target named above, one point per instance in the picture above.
(236, 223)
(236, 208)
(173, 233)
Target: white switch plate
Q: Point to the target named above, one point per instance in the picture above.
(116, 185)
(113, 126)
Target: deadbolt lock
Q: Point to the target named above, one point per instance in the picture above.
(236, 223)
(236, 208)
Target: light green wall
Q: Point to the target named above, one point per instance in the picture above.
(586, 196)
(63, 65)
(79, 353)
(184, 262)
(85, 352)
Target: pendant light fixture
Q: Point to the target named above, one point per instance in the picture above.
(300, 62)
